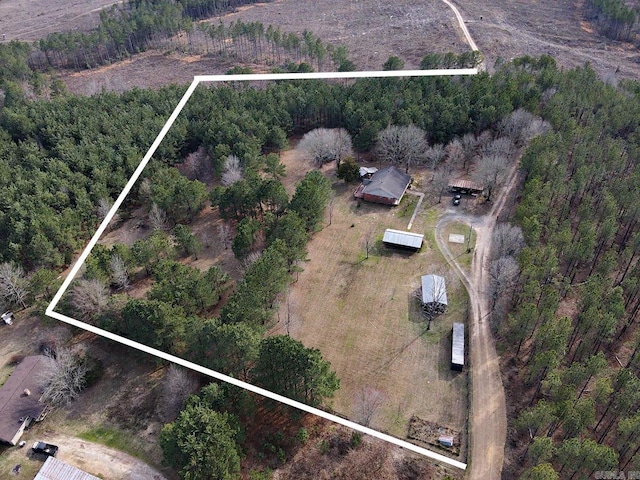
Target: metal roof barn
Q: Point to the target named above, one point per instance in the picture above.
(457, 347)
(434, 290)
(403, 239)
(54, 469)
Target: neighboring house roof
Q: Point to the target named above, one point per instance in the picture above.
(465, 185)
(388, 183)
(434, 289)
(17, 408)
(457, 345)
(367, 171)
(54, 469)
(404, 239)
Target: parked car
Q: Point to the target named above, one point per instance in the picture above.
(46, 448)
(456, 200)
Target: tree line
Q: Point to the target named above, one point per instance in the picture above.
(572, 322)
(133, 27)
(614, 18)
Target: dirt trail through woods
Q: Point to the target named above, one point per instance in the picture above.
(488, 415)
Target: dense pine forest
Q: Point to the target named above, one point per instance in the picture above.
(568, 333)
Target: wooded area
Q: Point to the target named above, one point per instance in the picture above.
(572, 332)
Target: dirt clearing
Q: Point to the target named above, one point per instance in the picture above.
(29, 20)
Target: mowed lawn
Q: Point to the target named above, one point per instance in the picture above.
(363, 317)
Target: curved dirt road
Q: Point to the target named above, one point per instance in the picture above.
(465, 31)
(488, 415)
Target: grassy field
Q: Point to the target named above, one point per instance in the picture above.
(362, 315)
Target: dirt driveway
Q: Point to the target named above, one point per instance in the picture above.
(488, 416)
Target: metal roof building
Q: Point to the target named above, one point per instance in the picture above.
(466, 185)
(434, 290)
(54, 469)
(403, 239)
(457, 347)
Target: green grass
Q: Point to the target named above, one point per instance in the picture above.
(407, 206)
(113, 438)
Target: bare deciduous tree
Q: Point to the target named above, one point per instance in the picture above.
(232, 171)
(63, 376)
(291, 318)
(327, 145)
(144, 190)
(368, 404)
(434, 155)
(500, 147)
(440, 182)
(454, 152)
(507, 241)
(14, 286)
(198, 166)
(368, 240)
(177, 385)
(250, 259)
(102, 210)
(503, 276)
(406, 145)
(469, 143)
(521, 126)
(225, 235)
(491, 172)
(158, 218)
(119, 274)
(90, 297)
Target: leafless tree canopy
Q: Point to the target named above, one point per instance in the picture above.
(198, 166)
(507, 241)
(250, 259)
(434, 155)
(119, 274)
(491, 172)
(503, 276)
(521, 126)
(177, 385)
(225, 235)
(158, 218)
(90, 297)
(14, 286)
(500, 147)
(144, 190)
(405, 145)
(232, 171)
(454, 152)
(63, 377)
(327, 145)
(368, 404)
(440, 182)
(104, 205)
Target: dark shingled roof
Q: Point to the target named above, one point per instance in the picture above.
(388, 182)
(15, 404)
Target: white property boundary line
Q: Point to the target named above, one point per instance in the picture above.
(198, 368)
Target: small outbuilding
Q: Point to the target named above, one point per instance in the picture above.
(7, 318)
(386, 186)
(457, 347)
(54, 469)
(367, 172)
(434, 294)
(20, 399)
(400, 239)
(465, 186)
